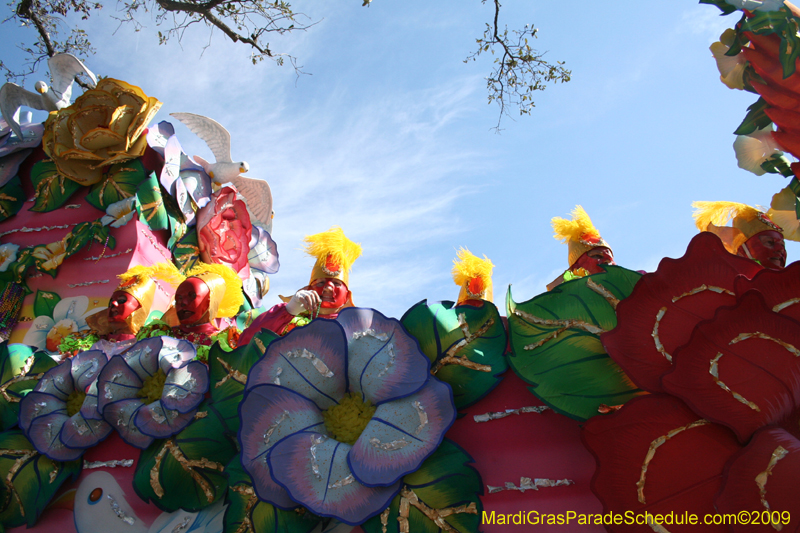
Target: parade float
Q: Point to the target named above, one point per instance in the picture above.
(146, 385)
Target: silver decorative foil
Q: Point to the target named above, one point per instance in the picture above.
(183, 525)
(108, 464)
(315, 441)
(342, 482)
(370, 333)
(389, 446)
(271, 429)
(423, 417)
(119, 512)
(525, 483)
(508, 412)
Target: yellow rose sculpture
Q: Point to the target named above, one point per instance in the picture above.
(102, 127)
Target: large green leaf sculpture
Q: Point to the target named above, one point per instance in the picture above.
(30, 480)
(445, 488)
(21, 367)
(186, 471)
(247, 513)
(555, 338)
(186, 251)
(228, 373)
(11, 198)
(465, 344)
(121, 181)
(150, 204)
(51, 189)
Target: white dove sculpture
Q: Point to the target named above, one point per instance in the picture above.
(100, 507)
(257, 193)
(63, 69)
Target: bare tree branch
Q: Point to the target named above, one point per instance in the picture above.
(519, 69)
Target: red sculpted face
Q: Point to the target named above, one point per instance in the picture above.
(593, 259)
(768, 248)
(334, 294)
(191, 301)
(121, 306)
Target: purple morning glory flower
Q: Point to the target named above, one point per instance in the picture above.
(337, 412)
(60, 416)
(152, 391)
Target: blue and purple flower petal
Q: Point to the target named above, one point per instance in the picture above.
(45, 413)
(153, 390)
(363, 375)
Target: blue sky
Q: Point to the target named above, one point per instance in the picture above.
(390, 136)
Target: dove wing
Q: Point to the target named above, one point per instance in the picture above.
(212, 132)
(12, 97)
(258, 197)
(63, 69)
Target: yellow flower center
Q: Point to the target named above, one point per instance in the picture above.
(346, 421)
(153, 387)
(74, 402)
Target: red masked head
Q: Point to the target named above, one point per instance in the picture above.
(191, 301)
(767, 247)
(121, 306)
(334, 294)
(593, 260)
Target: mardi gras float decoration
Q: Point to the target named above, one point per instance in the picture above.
(133, 409)
(555, 337)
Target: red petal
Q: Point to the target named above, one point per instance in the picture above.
(632, 343)
(770, 463)
(757, 365)
(780, 288)
(684, 473)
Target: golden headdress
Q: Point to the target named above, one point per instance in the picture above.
(225, 289)
(579, 234)
(747, 221)
(473, 275)
(139, 282)
(335, 254)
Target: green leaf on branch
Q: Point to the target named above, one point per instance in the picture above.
(21, 367)
(465, 344)
(11, 198)
(186, 471)
(31, 480)
(756, 118)
(247, 513)
(52, 189)
(555, 338)
(444, 481)
(120, 182)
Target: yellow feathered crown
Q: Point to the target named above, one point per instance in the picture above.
(225, 288)
(473, 275)
(747, 221)
(139, 282)
(579, 234)
(334, 252)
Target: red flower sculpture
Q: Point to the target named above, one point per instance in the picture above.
(724, 437)
(224, 231)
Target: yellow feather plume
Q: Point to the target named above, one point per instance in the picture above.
(164, 271)
(720, 213)
(468, 267)
(572, 230)
(233, 298)
(334, 244)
